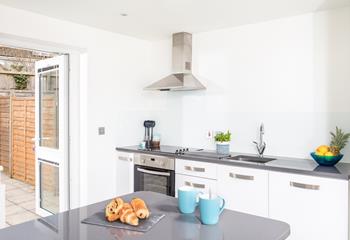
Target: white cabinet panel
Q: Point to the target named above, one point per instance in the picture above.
(315, 208)
(201, 184)
(244, 189)
(196, 168)
(124, 173)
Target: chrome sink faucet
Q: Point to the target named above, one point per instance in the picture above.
(261, 145)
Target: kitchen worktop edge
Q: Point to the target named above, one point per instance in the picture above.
(282, 164)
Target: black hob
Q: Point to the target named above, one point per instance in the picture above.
(193, 152)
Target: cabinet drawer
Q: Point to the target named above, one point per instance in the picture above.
(244, 189)
(314, 207)
(201, 184)
(194, 168)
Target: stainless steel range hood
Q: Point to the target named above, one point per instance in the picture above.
(182, 78)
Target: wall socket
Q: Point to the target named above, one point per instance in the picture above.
(101, 131)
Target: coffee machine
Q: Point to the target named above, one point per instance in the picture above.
(149, 125)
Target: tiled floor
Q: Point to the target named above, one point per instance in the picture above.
(20, 201)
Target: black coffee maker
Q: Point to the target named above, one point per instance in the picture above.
(149, 125)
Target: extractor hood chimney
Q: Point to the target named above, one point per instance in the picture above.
(182, 78)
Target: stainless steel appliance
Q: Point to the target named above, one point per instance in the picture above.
(148, 138)
(154, 173)
(182, 78)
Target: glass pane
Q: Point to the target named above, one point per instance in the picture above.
(155, 183)
(49, 187)
(49, 107)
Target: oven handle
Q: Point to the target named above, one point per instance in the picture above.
(154, 172)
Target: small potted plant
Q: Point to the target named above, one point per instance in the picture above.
(223, 142)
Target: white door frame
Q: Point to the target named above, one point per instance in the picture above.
(77, 84)
(51, 156)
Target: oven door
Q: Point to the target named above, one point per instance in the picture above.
(154, 180)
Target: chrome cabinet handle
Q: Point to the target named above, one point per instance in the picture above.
(304, 186)
(194, 169)
(240, 176)
(195, 185)
(153, 172)
(124, 158)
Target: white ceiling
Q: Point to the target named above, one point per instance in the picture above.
(155, 19)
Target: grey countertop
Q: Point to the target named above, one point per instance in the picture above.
(281, 164)
(174, 226)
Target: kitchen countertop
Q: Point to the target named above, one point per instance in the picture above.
(281, 164)
(174, 226)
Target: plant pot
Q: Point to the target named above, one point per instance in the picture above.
(223, 147)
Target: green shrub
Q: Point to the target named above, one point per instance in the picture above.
(21, 81)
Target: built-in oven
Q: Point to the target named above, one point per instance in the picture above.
(154, 173)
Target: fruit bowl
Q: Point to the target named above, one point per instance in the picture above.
(326, 160)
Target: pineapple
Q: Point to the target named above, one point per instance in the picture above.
(339, 141)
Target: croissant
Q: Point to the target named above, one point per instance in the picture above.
(127, 215)
(112, 210)
(140, 208)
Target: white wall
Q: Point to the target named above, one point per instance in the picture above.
(292, 74)
(115, 69)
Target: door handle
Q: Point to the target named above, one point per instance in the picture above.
(195, 185)
(194, 169)
(304, 186)
(153, 172)
(124, 158)
(240, 176)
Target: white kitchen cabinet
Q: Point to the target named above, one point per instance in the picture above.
(244, 189)
(201, 184)
(314, 207)
(124, 173)
(196, 168)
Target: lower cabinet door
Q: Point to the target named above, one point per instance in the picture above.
(244, 189)
(314, 207)
(201, 184)
(124, 173)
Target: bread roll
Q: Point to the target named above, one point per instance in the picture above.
(112, 210)
(127, 215)
(140, 208)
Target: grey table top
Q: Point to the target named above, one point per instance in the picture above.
(174, 226)
(281, 164)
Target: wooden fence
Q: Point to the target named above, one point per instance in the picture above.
(23, 132)
(17, 130)
(5, 132)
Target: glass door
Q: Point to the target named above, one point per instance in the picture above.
(51, 135)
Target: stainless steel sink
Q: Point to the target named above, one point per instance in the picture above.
(246, 158)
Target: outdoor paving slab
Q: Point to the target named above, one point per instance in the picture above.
(14, 209)
(20, 201)
(8, 203)
(21, 198)
(21, 218)
(15, 193)
(30, 205)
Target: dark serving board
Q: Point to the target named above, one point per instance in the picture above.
(145, 225)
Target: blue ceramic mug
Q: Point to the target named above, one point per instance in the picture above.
(187, 199)
(210, 208)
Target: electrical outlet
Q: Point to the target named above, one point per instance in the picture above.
(101, 131)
